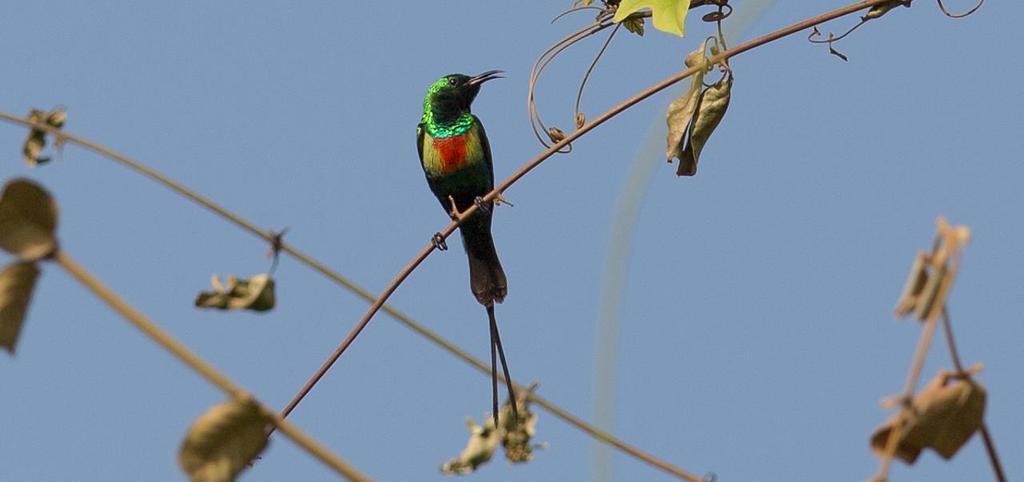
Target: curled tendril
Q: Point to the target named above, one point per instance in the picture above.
(276, 245)
(723, 12)
(580, 118)
(549, 135)
(832, 38)
(577, 9)
(812, 38)
(543, 133)
(959, 15)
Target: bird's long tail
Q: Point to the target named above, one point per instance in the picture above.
(486, 278)
(496, 348)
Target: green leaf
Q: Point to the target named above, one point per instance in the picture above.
(28, 218)
(483, 442)
(254, 294)
(16, 283)
(223, 441)
(668, 15)
(710, 110)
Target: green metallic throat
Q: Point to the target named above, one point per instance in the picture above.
(446, 128)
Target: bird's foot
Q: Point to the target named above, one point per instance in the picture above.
(481, 205)
(454, 212)
(500, 199)
(439, 242)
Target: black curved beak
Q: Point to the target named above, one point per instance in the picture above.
(484, 77)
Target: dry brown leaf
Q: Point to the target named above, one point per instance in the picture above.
(942, 417)
(711, 107)
(931, 277)
(516, 437)
(223, 441)
(28, 218)
(915, 285)
(483, 441)
(556, 134)
(681, 112)
(679, 118)
(16, 283)
(255, 294)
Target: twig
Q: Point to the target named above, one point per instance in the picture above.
(586, 76)
(990, 446)
(913, 378)
(200, 366)
(501, 188)
(358, 290)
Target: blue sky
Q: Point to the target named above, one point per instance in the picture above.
(756, 328)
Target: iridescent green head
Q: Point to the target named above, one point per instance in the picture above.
(450, 96)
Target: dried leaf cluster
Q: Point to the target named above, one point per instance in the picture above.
(951, 408)
(693, 117)
(36, 140)
(515, 436)
(28, 221)
(932, 274)
(254, 294)
(943, 417)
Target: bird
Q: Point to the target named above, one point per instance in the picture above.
(456, 159)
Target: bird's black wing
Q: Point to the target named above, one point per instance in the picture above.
(487, 151)
(419, 140)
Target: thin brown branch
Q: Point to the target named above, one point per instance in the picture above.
(501, 188)
(923, 344)
(345, 282)
(986, 437)
(200, 366)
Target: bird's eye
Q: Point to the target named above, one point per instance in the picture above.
(453, 81)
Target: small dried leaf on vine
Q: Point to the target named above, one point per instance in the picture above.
(635, 25)
(679, 117)
(912, 290)
(882, 9)
(28, 219)
(223, 441)
(711, 107)
(942, 417)
(667, 15)
(254, 294)
(17, 281)
(556, 134)
(517, 434)
(36, 140)
(942, 267)
(483, 442)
